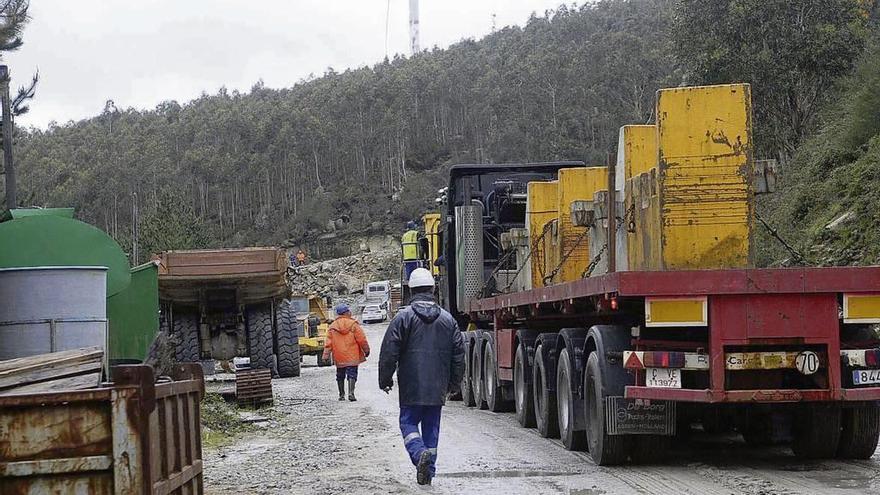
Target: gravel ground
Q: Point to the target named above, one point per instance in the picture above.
(317, 445)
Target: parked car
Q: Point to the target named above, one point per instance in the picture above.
(373, 313)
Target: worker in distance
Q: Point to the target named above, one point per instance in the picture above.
(349, 346)
(424, 346)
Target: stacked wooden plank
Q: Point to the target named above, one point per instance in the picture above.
(75, 369)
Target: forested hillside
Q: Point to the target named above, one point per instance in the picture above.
(276, 164)
(370, 145)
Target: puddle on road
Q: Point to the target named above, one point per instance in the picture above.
(506, 474)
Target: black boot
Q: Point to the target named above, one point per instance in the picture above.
(351, 382)
(341, 385)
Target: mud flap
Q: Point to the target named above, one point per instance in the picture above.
(639, 416)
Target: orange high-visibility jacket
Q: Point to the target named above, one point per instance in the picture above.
(347, 342)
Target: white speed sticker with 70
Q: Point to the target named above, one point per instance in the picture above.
(663, 377)
(864, 377)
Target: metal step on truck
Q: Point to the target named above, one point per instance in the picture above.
(620, 336)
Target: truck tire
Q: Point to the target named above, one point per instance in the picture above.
(259, 329)
(467, 392)
(477, 378)
(605, 449)
(860, 431)
(322, 362)
(566, 388)
(287, 341)
(491, 386)
(186, 328)
(816, 431)
(544, 398)
(522, 389)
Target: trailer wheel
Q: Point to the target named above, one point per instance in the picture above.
(605, 449)
(477, 378)
(491, 385)
(259, 326)
(545, 400)
(186, 327)
(816, 431)
(467, 393)
(287, 341)
(860, 431)
(572, 439)
(522, 390)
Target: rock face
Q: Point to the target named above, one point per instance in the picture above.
(345, 276)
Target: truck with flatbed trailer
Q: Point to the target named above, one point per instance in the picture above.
(618, 321)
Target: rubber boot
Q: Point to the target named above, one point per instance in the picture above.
(341, 385)
(351, 382)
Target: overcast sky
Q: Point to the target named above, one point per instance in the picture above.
(141, 52)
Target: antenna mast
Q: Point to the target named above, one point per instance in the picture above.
(414, 26)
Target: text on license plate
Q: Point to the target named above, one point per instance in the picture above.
(863, 377)
(663, 377)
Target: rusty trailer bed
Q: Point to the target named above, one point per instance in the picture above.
(257, 274)
(694, 283)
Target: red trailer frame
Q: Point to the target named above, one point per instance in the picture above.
(746, 307)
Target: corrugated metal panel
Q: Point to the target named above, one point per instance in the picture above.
(705, 159)
(540, 210)
(469, 258)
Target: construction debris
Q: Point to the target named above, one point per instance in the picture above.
(75, 369)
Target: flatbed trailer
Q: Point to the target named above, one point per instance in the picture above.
(745, 342)
(619, 336)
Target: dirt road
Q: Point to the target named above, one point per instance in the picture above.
(317, 445)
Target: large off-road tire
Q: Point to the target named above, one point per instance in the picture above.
(860, 431)
(566, 388)
(477, 377)
(491, 385)
(287, 341)
(522, 389)
(467, 391)
(186, 330)
(605, 449)
(544, 399)
(259, 329)
(324, 362)
(816, 431)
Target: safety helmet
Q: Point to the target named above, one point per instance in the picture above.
(411, 225)
(342, 308)
(421, 277)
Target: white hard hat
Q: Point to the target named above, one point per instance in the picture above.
(421, 277)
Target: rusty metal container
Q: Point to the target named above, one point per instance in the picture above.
(573, 250)
(50, 309)
(132, 436)
(540, 211)
(705, 177)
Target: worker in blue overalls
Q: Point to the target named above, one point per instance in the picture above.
(424, 345)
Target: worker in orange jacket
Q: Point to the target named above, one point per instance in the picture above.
(347, 342)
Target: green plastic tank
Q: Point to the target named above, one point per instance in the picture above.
(50, 237)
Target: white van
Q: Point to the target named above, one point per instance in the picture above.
(378, 293)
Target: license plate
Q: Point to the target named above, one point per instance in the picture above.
(864, 377)
(663, 377)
